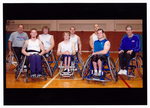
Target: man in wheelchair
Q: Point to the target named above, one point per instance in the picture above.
(130, 44)
(47, 39)
(34, 46)
(101, 52)
(66, 48)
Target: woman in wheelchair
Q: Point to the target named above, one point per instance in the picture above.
(101, 52)
(130, 44)
(34, 46)
(66, 48)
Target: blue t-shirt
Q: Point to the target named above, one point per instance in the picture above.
(99, 45)
(132, 43)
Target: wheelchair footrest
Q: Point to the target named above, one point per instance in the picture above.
(94, 79)
(132, 76)
(66, 74)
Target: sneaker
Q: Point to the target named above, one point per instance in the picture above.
(33, 75)
(124, 72)
(65, 70)
(99, 73)
(121, 71)
(39, 75)
(69, 71)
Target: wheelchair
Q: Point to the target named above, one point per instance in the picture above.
(108, 68)
(10, 61)
(72, 68)
(50, 57)
(134, 63)
(46, 70)
(79, 61)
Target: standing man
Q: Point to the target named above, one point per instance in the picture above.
(76, 39)
(93, 37)
(34, 46)
(66, 48)
(130, 44)
(101, 52)
(17, 39)
(47, 39)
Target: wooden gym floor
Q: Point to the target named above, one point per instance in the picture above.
(77, 82)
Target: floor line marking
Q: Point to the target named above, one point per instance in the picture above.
(125, 82)
(50, 81)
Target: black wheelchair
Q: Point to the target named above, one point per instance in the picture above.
(46, 70)
(108, 68)
(134, 65)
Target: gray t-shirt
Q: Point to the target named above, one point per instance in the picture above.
(18, 39)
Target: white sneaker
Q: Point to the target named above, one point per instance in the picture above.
(95, 73)
(99, 73)
(121, 71)
(124, 72)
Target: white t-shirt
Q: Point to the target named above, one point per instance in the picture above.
(33, 45)
(94, 38)
(75, 40)
(46, 40)
(65, 47)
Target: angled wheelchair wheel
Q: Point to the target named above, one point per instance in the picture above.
(113, 69)
(54, 58)
(20, 68)
(81, 61)
(139, 65)
(10, 62)
(117, 64)
(86, 68)
(46, 67)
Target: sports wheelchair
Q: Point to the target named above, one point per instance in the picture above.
(108, 68)
(72, 67)
(46, 70)
(79, 60)
(134, 63)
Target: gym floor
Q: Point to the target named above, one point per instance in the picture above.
(77, 82)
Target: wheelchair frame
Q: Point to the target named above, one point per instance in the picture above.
(132, 66)
(61, 67)
(87, 71)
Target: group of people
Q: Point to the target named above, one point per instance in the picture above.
(41, 44)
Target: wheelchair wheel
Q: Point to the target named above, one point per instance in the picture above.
(46, 67)
(85, 70)
(113, 69)
(139, 65)
(54, 58)
(20, 68)
(81, 61)
(10, 62)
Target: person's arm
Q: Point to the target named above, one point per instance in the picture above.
(121, 47)
(91, 42)
(52, 44)
(58, 50)
(73, 48)
(80, 45)
(9, 47)
(105, 50)
(137, 48)
(24, 48)
(38, 37)
(42, 48)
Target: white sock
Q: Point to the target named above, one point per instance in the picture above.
(95, 72)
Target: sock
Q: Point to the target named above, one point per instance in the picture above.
(95, 72)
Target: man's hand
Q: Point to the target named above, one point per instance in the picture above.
(80, 52)
(10, 52)
(121, 51)
(130, 52)
(93, 54)
(46, 51)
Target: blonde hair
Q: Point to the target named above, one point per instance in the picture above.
(66, 33)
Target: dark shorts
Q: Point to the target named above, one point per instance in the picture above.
(96, 57)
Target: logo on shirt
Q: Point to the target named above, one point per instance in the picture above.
(133, 40)
(20, 38)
